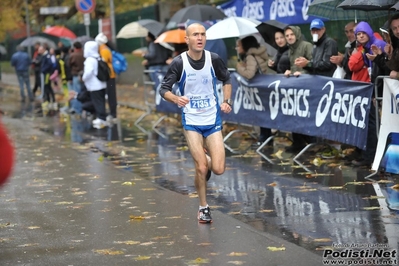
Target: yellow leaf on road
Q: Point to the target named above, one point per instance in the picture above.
(127, 242)
(237, 254)
(134, 217)
(108, 252)
(101, 158)
(143, 258)
(266, 211)
(276, 248)
(128, 183)
(198, 261)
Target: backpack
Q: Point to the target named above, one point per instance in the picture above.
(119, 62)
(103, 71)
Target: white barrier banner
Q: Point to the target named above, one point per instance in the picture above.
(387, 155)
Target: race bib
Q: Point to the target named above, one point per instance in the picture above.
(200, 103)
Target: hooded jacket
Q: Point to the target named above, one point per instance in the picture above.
(281, 60)
(90, 69)
(254, 57)
(358, 62)
(298, 49)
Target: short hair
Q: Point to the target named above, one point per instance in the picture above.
(77, 45)
(249, 42)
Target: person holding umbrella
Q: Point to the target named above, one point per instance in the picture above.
(253, 59)
(196, 72)
(155, 58)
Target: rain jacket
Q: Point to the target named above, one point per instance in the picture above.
(255, 60)
(75, 62)
(20, 61)
(90, 69)
(156, 55)
(324, 48)
(298, 49)
(358, 63)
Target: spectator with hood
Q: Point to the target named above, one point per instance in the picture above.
(298, 48)
(363, 69)
(96, 87)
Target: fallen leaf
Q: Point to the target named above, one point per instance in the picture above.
(276, 248)
(133, 217)
(108, 252)
(371, 208)
(236, 262)
(143, 258)
(33, 227)
(148, 189)
(204, 244)
(128, 183)
(272, 184)
(266, 211)
(127, 242)
(64, 203)
(322, 240)
(341, 187)
(237, 254)
(199, 261)
(101, 158)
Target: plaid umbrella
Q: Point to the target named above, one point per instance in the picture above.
(327, 9)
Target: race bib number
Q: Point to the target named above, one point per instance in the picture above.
(200, 103)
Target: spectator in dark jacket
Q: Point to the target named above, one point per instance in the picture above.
(324, 47)
(47, 68)
(36, 62)
(155, 58)
(342, 59)
(280, 63)
(21, 62)
(76, 61)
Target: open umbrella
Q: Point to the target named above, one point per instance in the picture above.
(269, 28)
(232, 27)
(37, 39)
(367, 5)
(3, 50)
(140, 28)
(327, 9)
(396, 6)
(172, 36)
(196, 12)
(60, 31)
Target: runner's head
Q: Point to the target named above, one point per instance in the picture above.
(196, 37)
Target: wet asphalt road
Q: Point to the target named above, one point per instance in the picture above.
(312, 203)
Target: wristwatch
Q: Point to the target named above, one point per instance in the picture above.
(229, 102)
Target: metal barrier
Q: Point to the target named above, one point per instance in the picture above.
(378, 98)
(148, 94)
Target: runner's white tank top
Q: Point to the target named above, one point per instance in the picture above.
(199, 88)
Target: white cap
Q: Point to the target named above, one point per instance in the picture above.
(101, 38)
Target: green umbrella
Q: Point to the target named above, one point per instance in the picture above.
(327, 9)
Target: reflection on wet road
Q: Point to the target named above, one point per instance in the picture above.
(314, 204)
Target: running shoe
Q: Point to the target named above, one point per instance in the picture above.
(204, 215)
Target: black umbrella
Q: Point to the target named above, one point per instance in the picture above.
(195, 12)
(153, 26)
(367, 5)
(269, 28)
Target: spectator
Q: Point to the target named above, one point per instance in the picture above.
(75, 64)
(47, 68)
(363, 68)
(298, 48)
(96, 87)
(280, 63)
(155, 59)
(106, 55)
(253, 59)
(20, 61)
(36, 62)
(324, 47)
